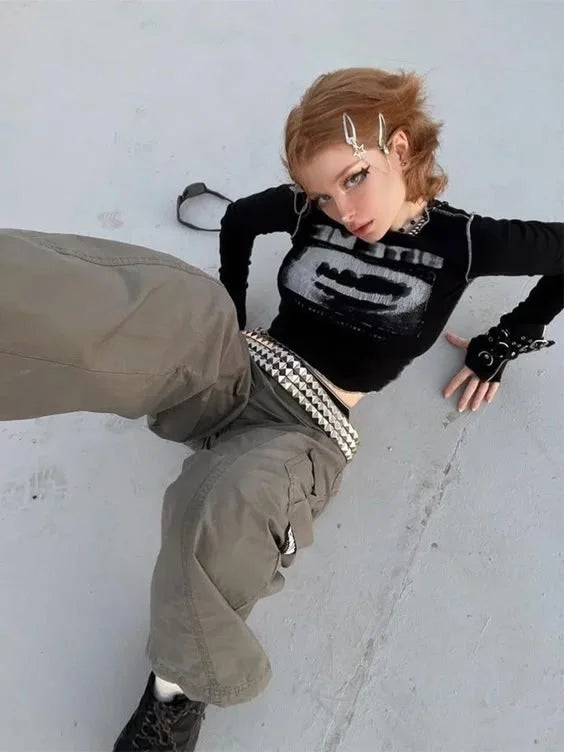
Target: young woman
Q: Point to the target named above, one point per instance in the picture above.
(378, 263)
(376, 267)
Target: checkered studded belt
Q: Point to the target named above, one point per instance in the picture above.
(294, 376)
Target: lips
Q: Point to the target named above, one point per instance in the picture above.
(362, 229)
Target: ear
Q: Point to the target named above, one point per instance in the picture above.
(399, 144)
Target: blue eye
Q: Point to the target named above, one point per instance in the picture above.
(351, 182)
(357, 178)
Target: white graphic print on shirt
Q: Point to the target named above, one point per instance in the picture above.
(376, 287)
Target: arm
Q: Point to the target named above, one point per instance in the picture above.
(514, 247)
(269, 211)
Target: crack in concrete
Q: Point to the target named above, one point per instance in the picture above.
(352, 688)
(350, 692)
(436, 500)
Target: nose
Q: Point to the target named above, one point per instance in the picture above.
(346, 210)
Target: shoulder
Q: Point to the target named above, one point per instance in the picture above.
(449, 227)
(276, 196)
(269, 210)
(445, 209)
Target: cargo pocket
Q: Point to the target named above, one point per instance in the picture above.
(299, 530)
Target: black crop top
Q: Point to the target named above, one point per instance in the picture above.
(360, 312)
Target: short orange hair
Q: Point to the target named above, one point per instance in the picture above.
(316, 122)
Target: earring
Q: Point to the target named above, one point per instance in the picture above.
(298, 191)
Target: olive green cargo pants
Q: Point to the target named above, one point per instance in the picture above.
(95, 325)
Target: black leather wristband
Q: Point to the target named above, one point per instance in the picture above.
(488, 354)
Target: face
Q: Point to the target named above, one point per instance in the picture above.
(366, 196)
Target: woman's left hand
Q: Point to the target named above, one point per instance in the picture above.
(475, 391)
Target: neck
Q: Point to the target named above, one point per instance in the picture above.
(410, 210)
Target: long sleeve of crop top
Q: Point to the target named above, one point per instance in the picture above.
(266, 212)
(528, 248)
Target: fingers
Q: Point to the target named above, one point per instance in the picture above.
(479, 395)
(457, 341)
(473, 384)
(492, 391)
(457, 381)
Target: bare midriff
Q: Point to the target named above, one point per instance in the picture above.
(350, 399)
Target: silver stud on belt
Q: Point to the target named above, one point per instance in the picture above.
(292, 374)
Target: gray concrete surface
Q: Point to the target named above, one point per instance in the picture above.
(428, 615)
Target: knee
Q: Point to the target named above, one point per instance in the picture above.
(237, 541)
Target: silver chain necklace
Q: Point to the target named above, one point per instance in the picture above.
(415, 225)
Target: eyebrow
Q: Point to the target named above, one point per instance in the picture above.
(337, 178)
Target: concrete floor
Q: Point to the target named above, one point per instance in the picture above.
(428, 615)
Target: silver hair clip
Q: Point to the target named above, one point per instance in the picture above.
(382, 134)
(359, 150)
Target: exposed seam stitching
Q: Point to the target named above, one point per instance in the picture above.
(469, 241)
(450, 213)
(177, 264)
(90, 370)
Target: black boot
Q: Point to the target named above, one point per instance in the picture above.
(162, 726)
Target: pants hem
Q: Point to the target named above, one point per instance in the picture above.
(222, 696)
